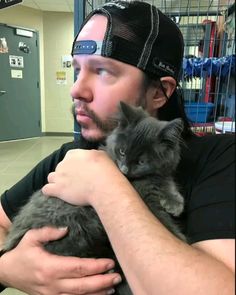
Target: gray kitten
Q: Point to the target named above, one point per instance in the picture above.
(147, 151)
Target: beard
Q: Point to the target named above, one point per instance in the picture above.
(105, 126)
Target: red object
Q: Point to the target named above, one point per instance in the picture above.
(210, 81)
(225, 119)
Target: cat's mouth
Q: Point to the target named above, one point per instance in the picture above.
(124, 169)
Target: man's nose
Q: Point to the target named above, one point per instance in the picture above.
(82, 88)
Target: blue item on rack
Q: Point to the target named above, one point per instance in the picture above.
(212, 66)
(199, 112)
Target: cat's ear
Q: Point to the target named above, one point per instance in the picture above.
(128, 112)
(172, 131)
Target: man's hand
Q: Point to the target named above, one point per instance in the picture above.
(33, 270)
(82, 176)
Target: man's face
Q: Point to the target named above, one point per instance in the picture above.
(101, 84)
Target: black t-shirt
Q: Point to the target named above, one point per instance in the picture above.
(205, 176)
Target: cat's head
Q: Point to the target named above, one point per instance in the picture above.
(142, 145)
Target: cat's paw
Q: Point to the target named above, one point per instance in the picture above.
(174, 206)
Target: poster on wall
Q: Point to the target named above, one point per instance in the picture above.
(16, 61)
(66, 61)
(61, 78)
(16, 74)
(3, 45)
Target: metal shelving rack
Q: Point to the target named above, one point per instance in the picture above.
(204, 27)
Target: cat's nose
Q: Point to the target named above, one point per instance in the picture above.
(124, 169)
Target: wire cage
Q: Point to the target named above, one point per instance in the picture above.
(208, 75)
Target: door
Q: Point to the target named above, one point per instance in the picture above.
(20, 115)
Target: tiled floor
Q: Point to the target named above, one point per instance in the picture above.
(18, 157)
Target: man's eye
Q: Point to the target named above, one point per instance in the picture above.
(102, 71)
(77, 71)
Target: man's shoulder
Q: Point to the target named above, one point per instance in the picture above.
(215, 143)
(202, 154)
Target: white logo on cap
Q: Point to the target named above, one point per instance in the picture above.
(118, 5)
(165, 67)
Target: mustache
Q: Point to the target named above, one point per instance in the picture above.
(105, 125)
(72, 110)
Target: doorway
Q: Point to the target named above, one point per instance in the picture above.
(20, 115)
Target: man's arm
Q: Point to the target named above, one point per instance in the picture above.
(4, 225)
(31, 269)
(221, 249)
(153, 260)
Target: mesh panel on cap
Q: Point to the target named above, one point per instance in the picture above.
(123, 31)
(154, 42)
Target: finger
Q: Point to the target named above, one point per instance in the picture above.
(72, 267)
(91, 285)
(51, 176)
(105, 292)
(50, 189)
(44, 235)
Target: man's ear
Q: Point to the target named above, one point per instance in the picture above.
(160, 98)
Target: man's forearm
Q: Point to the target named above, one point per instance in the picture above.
(3, 234)
(5, 224)
(154, 261)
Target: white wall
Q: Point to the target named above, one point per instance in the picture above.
(55, 38)
(58, 38)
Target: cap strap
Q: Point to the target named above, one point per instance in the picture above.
(87, 47)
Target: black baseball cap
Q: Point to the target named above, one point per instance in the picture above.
(138, 34)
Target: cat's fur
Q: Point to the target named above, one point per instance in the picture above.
(147, 151)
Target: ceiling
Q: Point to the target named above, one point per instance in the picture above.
(171, 5)
(50, 5)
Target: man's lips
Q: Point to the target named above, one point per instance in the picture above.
(82, 116)
(82, 113)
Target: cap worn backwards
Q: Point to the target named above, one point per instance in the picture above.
(139, 34)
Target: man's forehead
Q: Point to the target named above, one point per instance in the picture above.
(94, 29)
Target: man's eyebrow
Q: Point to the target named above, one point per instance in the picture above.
(93, 61)
(101, 62)
(74, 62)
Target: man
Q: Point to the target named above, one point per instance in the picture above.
(130, 52)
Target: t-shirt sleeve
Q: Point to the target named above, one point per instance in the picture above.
(211, 210)
(14, 198)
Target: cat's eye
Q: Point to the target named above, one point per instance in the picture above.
(122, 152)
(141, 162)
